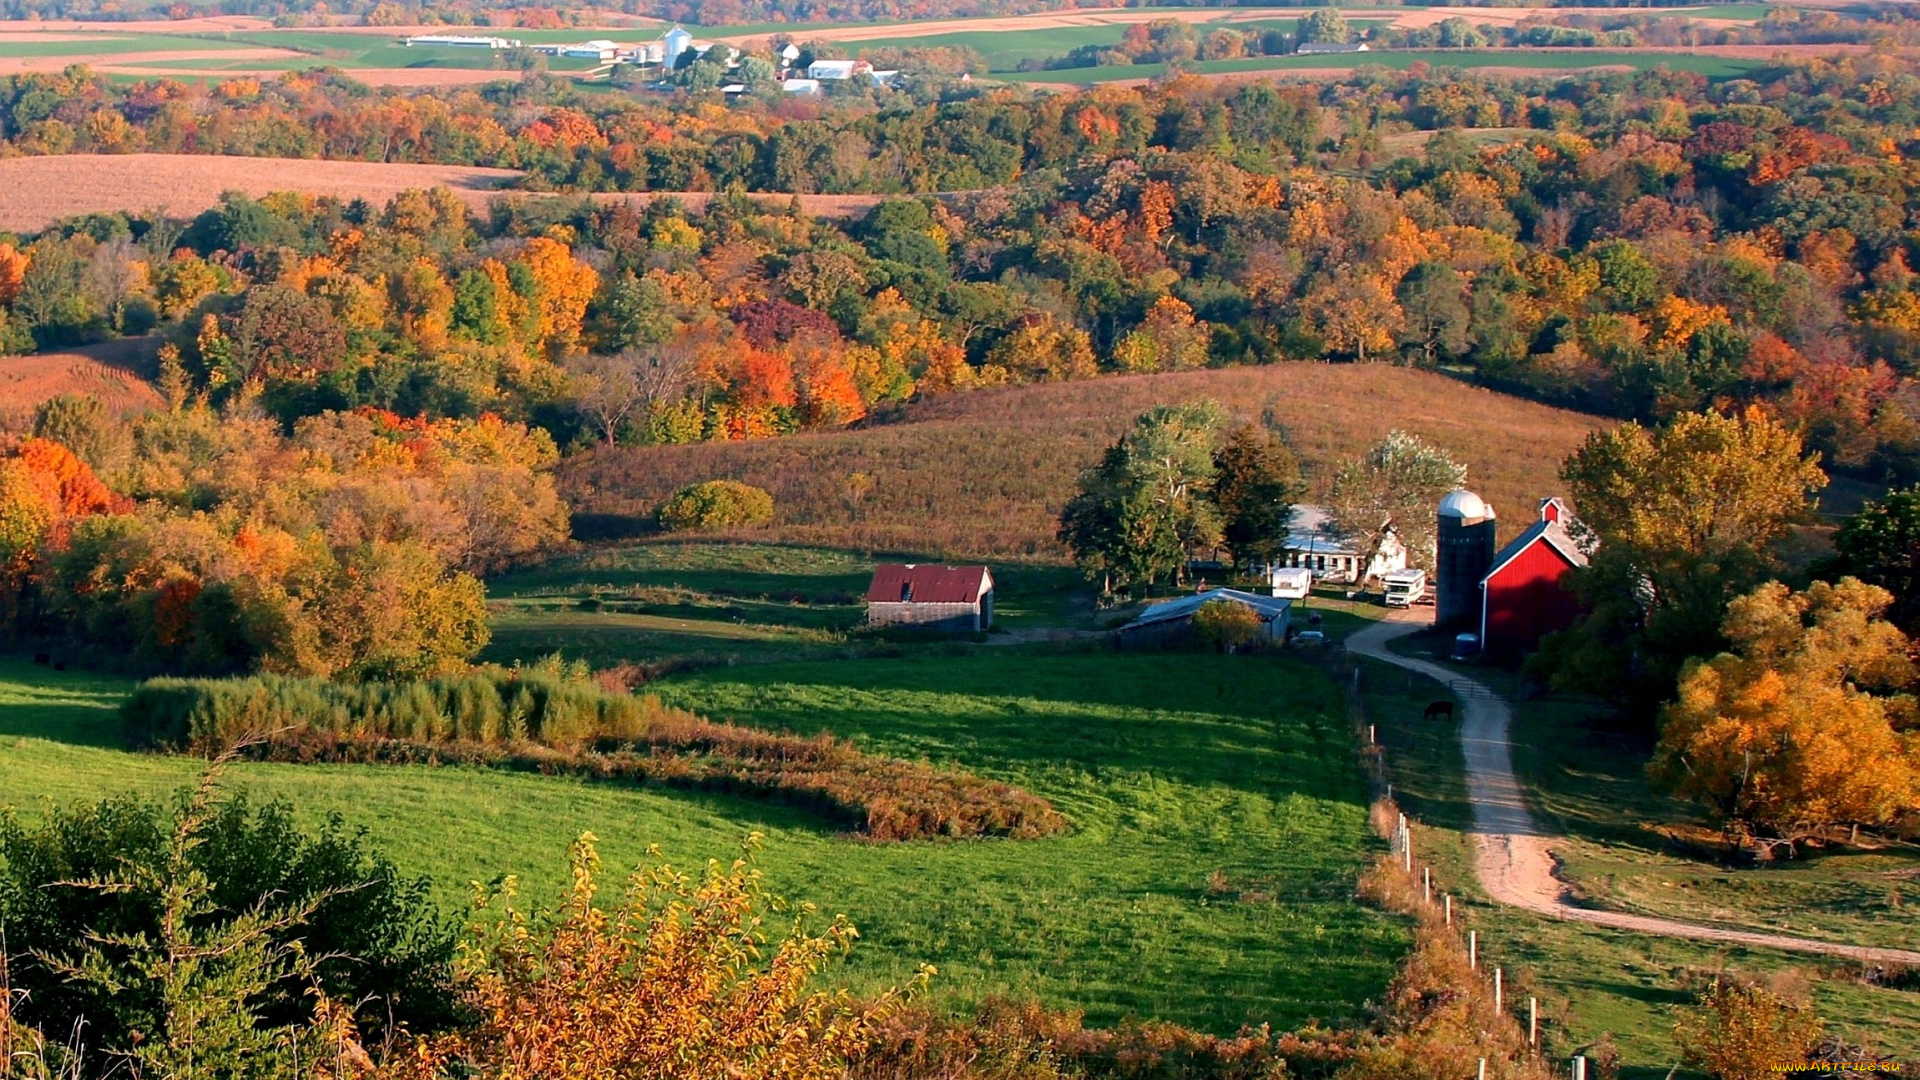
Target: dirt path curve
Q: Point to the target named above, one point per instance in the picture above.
(1513, 855)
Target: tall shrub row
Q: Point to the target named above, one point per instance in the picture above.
(490, 706)
(551, 720)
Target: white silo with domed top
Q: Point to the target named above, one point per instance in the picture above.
(1465, 539)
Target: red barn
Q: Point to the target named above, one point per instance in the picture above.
(1524, 597)
(937, 597)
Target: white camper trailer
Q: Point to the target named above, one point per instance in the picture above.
(1291, 582)
(1405, 588)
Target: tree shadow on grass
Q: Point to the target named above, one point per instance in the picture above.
(1250, 723)
(73, 707)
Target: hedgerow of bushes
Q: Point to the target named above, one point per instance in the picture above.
(550, 720)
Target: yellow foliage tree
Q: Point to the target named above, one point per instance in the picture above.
(1168, 339)
(563, 287)
(1739, 1031)
(1352, 312)
(1793, 731)
(1045, 349)
(681, 980)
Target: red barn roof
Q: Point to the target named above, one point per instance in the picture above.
(895, 583)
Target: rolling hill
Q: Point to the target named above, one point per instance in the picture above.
(986, 473)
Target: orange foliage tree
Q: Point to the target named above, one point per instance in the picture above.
(1793, 731)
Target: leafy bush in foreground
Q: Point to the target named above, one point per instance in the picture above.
(681, 979)
(552, 721)
(211, 933)
(716, 504)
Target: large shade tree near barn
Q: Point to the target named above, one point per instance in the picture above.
(1683, 519)
(1394, 487)
(1149, 502)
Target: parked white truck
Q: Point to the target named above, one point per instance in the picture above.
(1405, 588)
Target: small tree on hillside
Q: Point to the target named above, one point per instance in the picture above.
(1394, 487)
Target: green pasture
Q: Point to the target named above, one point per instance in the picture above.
(94, 45)
(1004, 50)
(1171, 766)
(319, 48)
(1584, 774)
(1545, 62)
(732, 602)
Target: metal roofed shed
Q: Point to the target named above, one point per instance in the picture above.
(937, 597)
(1172, 618)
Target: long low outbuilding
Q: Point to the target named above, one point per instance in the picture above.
(1172, 618)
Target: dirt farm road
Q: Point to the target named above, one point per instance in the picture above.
(1513, 855)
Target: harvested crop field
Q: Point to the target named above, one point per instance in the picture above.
(986, 473)
(43, 190)
(115, 372)
(201, 25)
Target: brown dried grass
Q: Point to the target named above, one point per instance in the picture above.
(986, 473)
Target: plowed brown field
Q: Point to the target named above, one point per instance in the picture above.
(37, 191)
(115, 372)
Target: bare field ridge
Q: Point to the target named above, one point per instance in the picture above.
(37, 191)
(116, 372)
(986, 473)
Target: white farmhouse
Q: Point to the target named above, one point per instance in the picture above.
(1317, 544)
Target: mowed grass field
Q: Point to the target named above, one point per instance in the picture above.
(1505, 61)
(733, 602)
(986, 473)
(1006, 42)
(1171, 767)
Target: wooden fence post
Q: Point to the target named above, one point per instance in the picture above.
(1473, 949)
(1533, 1023)
(1498, 994)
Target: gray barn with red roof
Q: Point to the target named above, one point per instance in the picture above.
(939, 597)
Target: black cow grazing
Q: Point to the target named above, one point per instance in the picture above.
(1439, 710)
(42, 659)
(59, 665)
